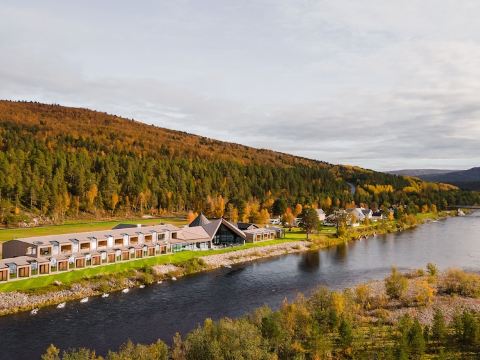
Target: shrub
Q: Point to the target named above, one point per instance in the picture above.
(155, 351)
(193, 265)
(432, 269)
(362, 296)
(396, 284)
(461, 283)
(423, 292)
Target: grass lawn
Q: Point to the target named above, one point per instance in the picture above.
(76, 275)
(79, 226)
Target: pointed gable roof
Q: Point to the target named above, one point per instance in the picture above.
(200, 220)
(212, 227)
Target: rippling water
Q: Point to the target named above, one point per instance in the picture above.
(144, 315)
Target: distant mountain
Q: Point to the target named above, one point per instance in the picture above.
(464, 179)
(419, 172)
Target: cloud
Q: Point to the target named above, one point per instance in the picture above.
(379, 84)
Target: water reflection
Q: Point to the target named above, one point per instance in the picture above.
(310, 261)
(341, 252)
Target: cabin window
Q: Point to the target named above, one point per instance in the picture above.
(3, 275)
(66, 248)
(134, 240)
(174, 235)
(45, 251)
(102, 243)
(119, 242)
(85, 246)
(161, 236)
(148, 238)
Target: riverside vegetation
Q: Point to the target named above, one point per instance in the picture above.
(423, 314)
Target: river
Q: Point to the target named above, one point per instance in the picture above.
(158, 311)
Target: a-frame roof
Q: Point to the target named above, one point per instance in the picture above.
(212, 227)
(200, 220)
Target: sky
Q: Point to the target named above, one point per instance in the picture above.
(380, 84)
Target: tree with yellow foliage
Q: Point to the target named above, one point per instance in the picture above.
(232, 213)
(298, 210)
(114, 201)
(91, 195)
(262, 217)
(191, 216)
(288, 218)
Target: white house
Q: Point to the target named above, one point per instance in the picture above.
(321, 214)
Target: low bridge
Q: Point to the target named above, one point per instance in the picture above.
(471, 207)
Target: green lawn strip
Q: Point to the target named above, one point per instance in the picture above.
(177, 258)
(76, 226)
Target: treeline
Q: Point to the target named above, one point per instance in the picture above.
(353, 324)
(62, 162)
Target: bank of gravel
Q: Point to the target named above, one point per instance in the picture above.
(393, 309)
(252, 254)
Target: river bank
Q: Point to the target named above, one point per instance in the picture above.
(58, 292)
(16, 301)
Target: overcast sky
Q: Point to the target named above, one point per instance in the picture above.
(380, 84)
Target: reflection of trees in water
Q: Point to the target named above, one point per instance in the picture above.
(341, 252)
(310, 261)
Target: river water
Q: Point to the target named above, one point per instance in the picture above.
(158, 311)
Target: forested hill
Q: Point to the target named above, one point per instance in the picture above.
(59, 161)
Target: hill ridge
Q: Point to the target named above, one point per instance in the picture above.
(63, 161)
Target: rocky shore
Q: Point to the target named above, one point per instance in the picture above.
(241, 256)
(392, 310)
(15, 301)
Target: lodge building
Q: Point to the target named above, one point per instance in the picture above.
(42, 255)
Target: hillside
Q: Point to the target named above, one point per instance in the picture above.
(62, 162)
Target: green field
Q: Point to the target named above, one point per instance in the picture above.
(80, 226)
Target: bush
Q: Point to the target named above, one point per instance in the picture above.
(461, 283)
(396, 284)
(362, 296)
(423, 292)
(432, 269)
(193, 265)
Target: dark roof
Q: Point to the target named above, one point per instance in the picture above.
(246, 226)
(212, 227)
(124, 226)
(200, 220)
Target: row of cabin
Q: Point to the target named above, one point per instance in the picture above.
(26, 257)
